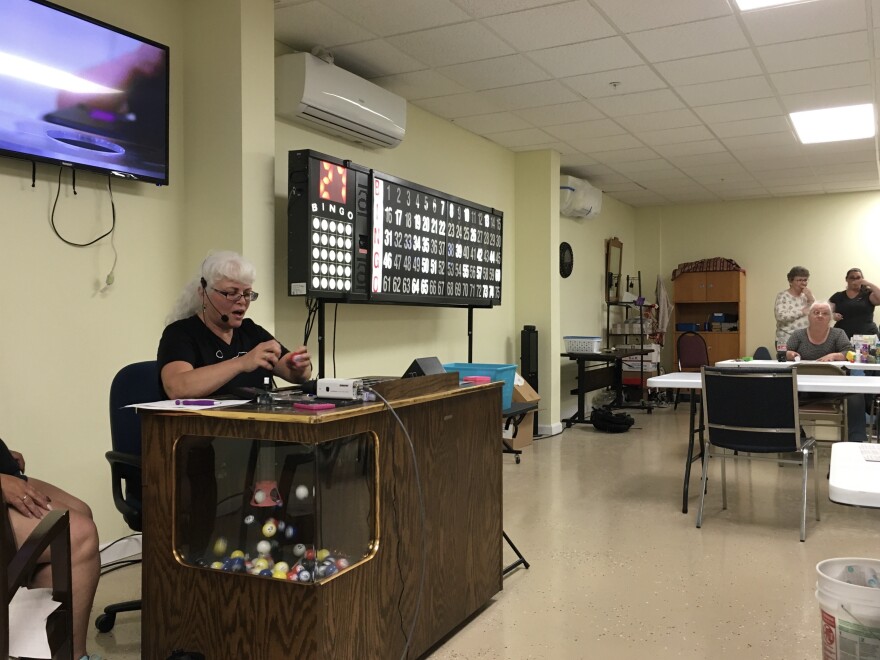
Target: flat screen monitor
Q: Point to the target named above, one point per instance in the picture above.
(80, 93)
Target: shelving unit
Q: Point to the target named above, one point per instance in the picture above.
(633, 339)
(696, 296)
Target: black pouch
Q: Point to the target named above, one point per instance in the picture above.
(606, 420)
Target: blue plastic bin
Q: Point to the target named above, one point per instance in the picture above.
(503, 372)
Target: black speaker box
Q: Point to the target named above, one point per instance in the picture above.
(426, 366)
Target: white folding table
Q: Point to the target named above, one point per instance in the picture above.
(852, 479)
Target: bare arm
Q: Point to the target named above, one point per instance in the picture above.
(296, 366)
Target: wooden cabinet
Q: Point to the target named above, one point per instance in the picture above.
(697, 296)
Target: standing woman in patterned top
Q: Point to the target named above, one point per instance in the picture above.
(793, 305)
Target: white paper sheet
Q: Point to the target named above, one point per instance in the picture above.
(177, 404)
(28, 612)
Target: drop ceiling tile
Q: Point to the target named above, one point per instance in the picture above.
(520, 138)
(636, 167)
(836, 76)
(710, 68)
(745, 193)
(557, 25)
(713, 114)
(790, 190)
(530, 95)
(761, 141)
(496, 72)
(586, 57)
(459, 105)
(560, 147)
(844, 169)
(852, 186)
(616, 82)
(420, 85)
(640, 198)
(482, 8)
(451, 44)
(726, 91)
(821, 51)
(623, 186)
(699, 160)
(690, 39)
(640, 103)
(759, 126)
(671, 151)
(674, 135)
(660, 120)
(584, 167)
(314, 24)
(562, 113)
(387, 17)
(781, 168)
(374, 58)
(792, 150)
(832, 98)
(495, 122)
(635, 15)
(667, 178)
(614, 156)
(608, 143)
(586, 129)
(804, 20)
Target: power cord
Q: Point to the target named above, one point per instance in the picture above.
(412, 449)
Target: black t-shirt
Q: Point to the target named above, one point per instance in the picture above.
(8, 464)
(858, 313)
(190, 340)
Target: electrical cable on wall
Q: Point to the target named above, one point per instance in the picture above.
(108, 281)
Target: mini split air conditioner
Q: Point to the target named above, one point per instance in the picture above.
(333, 100)
(578, 199)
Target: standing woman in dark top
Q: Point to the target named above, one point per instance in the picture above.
(28, 500)
(854, 306)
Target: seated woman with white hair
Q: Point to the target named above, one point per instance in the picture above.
(823, 343)
(209, 347)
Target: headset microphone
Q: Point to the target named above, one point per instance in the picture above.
(223, 317)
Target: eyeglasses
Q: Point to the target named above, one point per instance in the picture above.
(235, 296)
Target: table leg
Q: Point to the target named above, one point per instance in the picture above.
(694, 430)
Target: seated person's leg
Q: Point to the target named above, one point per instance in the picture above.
(855, 418)
(85, 564)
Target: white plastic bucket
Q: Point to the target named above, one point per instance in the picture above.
(850, 612)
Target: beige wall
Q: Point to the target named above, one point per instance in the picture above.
(828, 234)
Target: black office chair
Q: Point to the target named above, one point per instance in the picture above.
(135, 383)
(753, 413)
(762, 353)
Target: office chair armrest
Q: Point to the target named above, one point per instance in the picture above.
(122, 467)
(121, 458)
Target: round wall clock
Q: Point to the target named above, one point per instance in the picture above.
(566, 259)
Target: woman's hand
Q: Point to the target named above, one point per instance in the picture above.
(791, 356)
(23, 497)
(832, 357)
(300, 363)
(837, 317)
(263, 355)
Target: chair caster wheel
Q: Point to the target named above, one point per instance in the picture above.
(517, 460)
(105, 622)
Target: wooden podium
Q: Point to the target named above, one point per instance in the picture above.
(367, 611)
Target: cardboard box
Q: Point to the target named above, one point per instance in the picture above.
(523, 393)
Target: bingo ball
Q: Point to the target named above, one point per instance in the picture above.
(264, 547)
(249, 519)
(237, 565)
(304, 576)
(322, 554)
(289, 532)
(320, 571)
(302, 492)
(279, 575)
(220, 546)
(308, 564)
(237, 553)
(281, 525)
(310, 553)
(342, 562)
(259, 496)
(217, 565)
(266, 573)
(261, 563)
(269, 528)
(282, 566)
(330, 570)
(299, 549)
(291, 575)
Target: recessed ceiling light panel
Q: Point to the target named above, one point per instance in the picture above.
(746, 5)
(851, 122)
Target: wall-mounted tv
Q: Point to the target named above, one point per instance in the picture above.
(77, 92)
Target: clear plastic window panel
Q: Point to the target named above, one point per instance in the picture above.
(278, 510)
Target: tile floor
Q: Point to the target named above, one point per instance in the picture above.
(617, 571)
